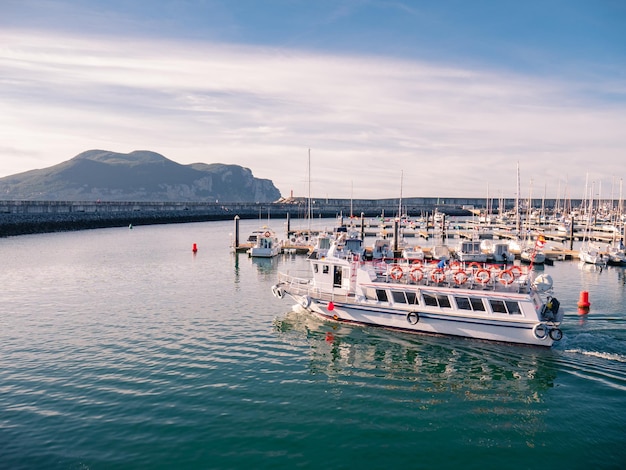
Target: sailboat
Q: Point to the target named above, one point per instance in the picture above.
(589, 252)
(528, 252)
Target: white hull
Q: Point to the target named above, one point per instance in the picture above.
(255, 252)
(592, 257)
(435, 323)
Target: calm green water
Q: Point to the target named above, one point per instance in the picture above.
(121, 349)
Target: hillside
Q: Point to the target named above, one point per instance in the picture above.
(137, 176)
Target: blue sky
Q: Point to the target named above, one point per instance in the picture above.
(449, 94)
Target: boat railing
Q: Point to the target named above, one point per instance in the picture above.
(301, 286)
(472, 275)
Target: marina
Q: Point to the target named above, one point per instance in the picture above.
(457, 230)
(125, 349)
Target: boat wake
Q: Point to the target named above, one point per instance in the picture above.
(598, 354)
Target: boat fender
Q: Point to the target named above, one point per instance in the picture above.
(556, 334)
(278, 292)
(305, 302)
(413, 318)
(540, 331)
(506, 277)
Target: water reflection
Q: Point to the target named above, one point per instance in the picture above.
(470, 368)
(265, 265)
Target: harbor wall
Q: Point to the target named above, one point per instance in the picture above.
(24, 217)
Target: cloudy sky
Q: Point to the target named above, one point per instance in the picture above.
(434, 98)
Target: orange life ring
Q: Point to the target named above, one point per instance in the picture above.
(455, 265)
(416, 274)
(396, 273)
(506, 277)
(460, 277)
(438, 276)
(516, 271)
(482, 276)
(267, 234)
(475, 265)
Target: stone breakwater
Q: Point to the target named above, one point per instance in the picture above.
(27, 217)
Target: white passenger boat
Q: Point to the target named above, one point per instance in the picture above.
(474, 301)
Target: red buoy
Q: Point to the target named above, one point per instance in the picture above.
(583, 303)
(194, 248)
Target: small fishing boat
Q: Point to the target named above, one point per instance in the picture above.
(469, 300)
(265, 244)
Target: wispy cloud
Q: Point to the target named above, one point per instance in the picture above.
(366, 118)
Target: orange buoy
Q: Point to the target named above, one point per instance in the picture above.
(583, 303)
(194, 248)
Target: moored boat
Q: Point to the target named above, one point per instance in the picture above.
(469, 300)
(265, 244)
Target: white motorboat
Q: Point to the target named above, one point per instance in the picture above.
(265, 244)
(413, 253)
(469, 250)
(497, 251)
(505, 305)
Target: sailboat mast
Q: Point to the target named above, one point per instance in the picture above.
(517, 211)
(309, 193)
(400, 204)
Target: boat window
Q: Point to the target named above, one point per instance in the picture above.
(381, 295)
(444, 301)
(497, 306)
(430, 300)
(411, 298)
(477, 304)
(513, 307)
(463, 303)
(470, 303)
(398, 297)
(315, 268)
(325, 269)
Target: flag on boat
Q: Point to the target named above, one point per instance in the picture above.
(541, 242)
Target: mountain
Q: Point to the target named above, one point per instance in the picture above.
(137, 176)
